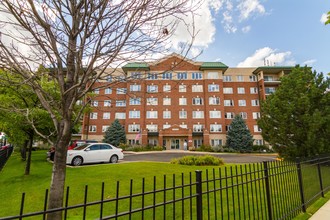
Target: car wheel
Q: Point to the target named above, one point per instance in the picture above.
(77, 161)
(114, 159)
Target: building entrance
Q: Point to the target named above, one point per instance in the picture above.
(175, 144)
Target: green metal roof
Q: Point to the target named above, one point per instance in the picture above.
(265, 68)
(213, 65)
(136, 66)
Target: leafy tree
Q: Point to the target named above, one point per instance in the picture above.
(239, 137)
(295, 120)
(328, 18)
(115, 134)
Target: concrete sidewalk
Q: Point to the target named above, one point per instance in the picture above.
(323, 213)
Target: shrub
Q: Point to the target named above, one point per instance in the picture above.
(204, 148)
(139, 148)
(206, 160)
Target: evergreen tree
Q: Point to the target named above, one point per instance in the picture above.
(239, 137)
(115, 134)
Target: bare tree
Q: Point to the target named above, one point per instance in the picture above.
(77, 40)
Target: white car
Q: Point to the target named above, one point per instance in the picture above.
(94, 153)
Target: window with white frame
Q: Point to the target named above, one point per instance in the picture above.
(135, 101)
(166, 101)
(197, 88)
(107, 103)
(182, 88)
(182, 75)
(109, 78)
(105, 128)
(228, 90)
(93, 115)
(120, 103)
(121, 91)
(167, 88)
(92, 128)
(108, 91)
(213, 75)
(198, 114)
(213, 88)
(182, 101)
(121, 78)
(198, 128)
(152, 88)
(167, 75)
(134, 128)
(229, 115)
(95, 103)
(197, 75)
(242, 102)
(268, 78)
(215, 114)
(228, 127)
(253, 90)
(152, 101)
(253, 78)
(152, 128)
(134, 114)
(106, 115)
(165, 126)
(243, 115)
(269, 90)
(215, 128)
(182, 114)
(240, 78)
(216, 142)
(135, 88)
(96, 91)
(120, 115)
(197, 101)
(255, 102)
(255, 115)
(152, 76)
(166, 114)
(214, 101)
(227, 78)
(256, 128)
(241, 90)
(228, 102)
(136, 75)
(152, 114)
(259, 142)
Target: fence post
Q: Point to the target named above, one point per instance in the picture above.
(199, 197)
(320, 176)
(301, 187)
(269, 203)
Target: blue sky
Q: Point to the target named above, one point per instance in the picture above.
(247, 32)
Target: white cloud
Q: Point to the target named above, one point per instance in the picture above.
(195, 51)
(246, 29)
(268, 56)
(309, 62)
(247, 8)
(324, 18)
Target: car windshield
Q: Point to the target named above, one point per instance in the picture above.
(81, 147)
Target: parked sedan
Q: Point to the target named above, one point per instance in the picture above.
(94, 153)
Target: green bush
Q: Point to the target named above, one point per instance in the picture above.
(139, 148)
(206, 160)
(204, 148)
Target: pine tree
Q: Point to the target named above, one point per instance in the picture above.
(115, 134)
(239, 137)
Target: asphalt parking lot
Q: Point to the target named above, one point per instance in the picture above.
(168, 155)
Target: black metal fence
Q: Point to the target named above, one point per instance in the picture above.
(268, 190)
(4, 155)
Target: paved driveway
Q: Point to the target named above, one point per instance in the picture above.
(166, 156)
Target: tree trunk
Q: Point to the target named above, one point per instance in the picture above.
(29, 151)
(59, 170)
(23, 150)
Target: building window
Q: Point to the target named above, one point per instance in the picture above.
(166, 114)
(135, 101)
(229, 115)
(166, 101)
(109, 78)
(255, 102)
(152, 114)
(228, 103)
(227, 78)
(105, 128)
(253, 78)
(121, 91)
(136, 75)
(241, 90)
(95, 103)
(121, 78)
(197, 75)
(240, 78)
(182, 114)
(107, 103)
(215, 128)
(152, 128)
(120, 103)
(198, 143)
(198, 114)
(256, 128)
(93, 115)
(92, 128)
(106, 115)
(213, 75)
(135, 88)
(213, 88)
(215, 114)
(228, 90)
(197, 88)
(197, 101)
(134, 114)
(268, 78)
(214, 101)
(253, 90)
(241, 102)
(216, 142)
(269, 90)
(152, 101)
(134, 128)
(255, 115)
(243, 115)
(198, 128)
(167, 88)
(152, 88)
(152, 76)
(259, 142)
(182, 88)
(182, 101)
(228, 127)
(167, 75)
(182, 75)
(120, 115)
(108, 91)
(96, 91)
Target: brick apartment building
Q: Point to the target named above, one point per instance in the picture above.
(174, 100)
